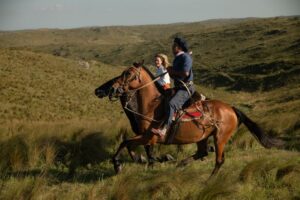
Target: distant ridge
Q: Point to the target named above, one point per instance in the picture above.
(221, 47)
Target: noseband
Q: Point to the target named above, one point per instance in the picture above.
(136, 76)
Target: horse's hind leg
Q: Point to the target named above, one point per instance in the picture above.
(221, 137)
(200, 154)
(220, 157)
(202, 149)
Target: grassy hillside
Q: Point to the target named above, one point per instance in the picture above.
(50, 120)
(31, 82)
(224, 51)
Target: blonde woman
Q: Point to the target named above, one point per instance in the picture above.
(162, 62)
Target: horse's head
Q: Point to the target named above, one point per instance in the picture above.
(104, 90)
(130, 79)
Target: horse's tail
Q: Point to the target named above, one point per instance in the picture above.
(257, 132)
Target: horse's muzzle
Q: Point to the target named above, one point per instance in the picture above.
(115, 92)
(100, 93)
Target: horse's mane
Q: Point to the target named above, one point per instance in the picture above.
(158, 86)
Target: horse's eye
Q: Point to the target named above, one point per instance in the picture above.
(127, 73)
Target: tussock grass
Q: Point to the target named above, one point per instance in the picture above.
(243, 140)
(14, 154)
(268, 171)
(18, 189)
(219, 187)
(269, 174)
(61, 145)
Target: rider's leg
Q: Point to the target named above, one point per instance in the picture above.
(175, 104)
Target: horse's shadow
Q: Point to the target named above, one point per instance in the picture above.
(84, 157)
(59, 176)
(87, 151)
(291, 142)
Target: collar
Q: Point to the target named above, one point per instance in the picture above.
(179, 53)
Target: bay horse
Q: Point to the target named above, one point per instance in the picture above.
(222, 123)
(104, 91)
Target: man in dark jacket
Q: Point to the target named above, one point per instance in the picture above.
(182, 74)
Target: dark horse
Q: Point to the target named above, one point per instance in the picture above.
(222, 122)
(103, 91)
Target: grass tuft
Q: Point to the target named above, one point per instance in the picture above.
(13, 154)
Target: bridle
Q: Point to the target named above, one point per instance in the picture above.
(136, 76)
(120, 88)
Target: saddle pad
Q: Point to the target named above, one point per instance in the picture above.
(189, 116)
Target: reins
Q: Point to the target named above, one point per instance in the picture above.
(133, 93)
(143, 86)
(153, 81)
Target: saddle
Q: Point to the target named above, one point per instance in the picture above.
(191, 110)
(196, 109)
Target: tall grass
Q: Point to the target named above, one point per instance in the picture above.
(29, 146)
(37, 157)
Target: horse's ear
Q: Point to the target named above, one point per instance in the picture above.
(136, 64)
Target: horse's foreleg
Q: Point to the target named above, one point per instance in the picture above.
(137, 158)
(137, 140)
(149, 151)
(132, 154)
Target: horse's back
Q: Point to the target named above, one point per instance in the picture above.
(216, 115)
(224, 114)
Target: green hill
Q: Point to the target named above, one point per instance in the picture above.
(249, 54)
(36, 86)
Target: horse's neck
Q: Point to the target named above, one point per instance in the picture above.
(148, 97)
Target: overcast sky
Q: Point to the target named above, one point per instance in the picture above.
(32, 14)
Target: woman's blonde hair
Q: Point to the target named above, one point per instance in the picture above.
(164, 59)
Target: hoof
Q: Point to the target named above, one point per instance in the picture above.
(202, 159)
(139, 159)
(142, 159)
(117, 166)
(211, 149)
(166, 158)
(151, 163)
